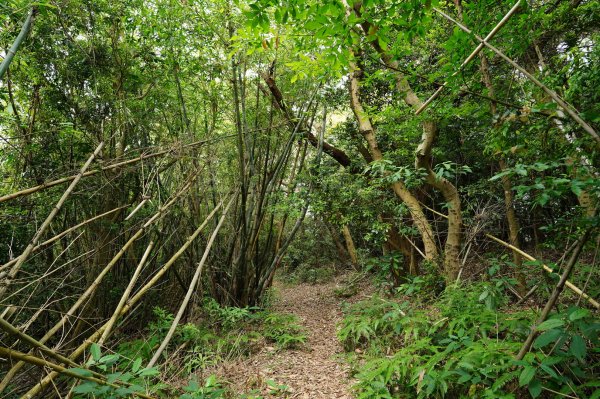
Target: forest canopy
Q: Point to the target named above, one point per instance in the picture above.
(166, 161)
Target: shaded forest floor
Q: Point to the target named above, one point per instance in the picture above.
(315, 370)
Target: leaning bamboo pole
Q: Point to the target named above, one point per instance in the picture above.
(471, 56)
(6, 281)
(191, 288)
(12, 51)
(126, 294)
(128, 306)
(58, 369)
(572, 286)
(111, 322)
(64, 233)
(92, 288)
(555, 293)
(10, 329)
(117, 165)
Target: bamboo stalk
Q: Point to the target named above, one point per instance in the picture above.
(10, 329)
(5, 283)
(191, 288)
(58, 369)
(571, 286)
(137, 208)
(92, 288)
(111, 322)
(470, 58)
(484, 42)
(128, 306)
(18, 41)
(117, 165)
(555, 294)
(125, 295)
(64, 233)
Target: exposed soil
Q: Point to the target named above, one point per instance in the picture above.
(313, 371)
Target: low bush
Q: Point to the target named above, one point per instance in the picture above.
(462, 344)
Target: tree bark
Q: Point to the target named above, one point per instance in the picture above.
(350, 245)
(367, 130)
(423, 159)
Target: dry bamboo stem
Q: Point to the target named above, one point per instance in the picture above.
(5, 283)
(191, 288)
(64, 233)
(137, 208)
(10, 329)
(23, 357)
(92, 288)
(473, 54)
(125, 295)
(483, 42)
(433, 210)
(111, 322)
(573, 287)
(128, 306)
(117, 165)
(555, 294)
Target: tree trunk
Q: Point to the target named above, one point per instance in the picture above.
(413, 205)
(350, 246)
(423, 160)
(511, 215)
(513, 229)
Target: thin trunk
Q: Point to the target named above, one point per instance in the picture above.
(350, 246)
(513, 229)
(341, 249)
(555, 294)
(511, 215)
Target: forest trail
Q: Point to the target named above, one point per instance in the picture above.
(312, 371)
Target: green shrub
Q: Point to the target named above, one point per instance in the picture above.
(282, 329)
(311, 275)
(461, 346)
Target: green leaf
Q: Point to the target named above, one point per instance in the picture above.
(95, 351)
(535, 388)
(136, 365)
(577, 347)
(111, 378)
(549, 371)
(526, 375)
(546, 338)
(579, 314)
(81, 372)
(109, 359)
(549, 324)
(88, 387)
(147, 372)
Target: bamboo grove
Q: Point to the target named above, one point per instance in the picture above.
(160, 152)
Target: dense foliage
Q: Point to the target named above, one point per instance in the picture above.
(176, 154)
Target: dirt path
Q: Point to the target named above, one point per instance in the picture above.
(311, 372)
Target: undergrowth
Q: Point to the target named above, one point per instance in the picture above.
(462, 344)
(223, 333)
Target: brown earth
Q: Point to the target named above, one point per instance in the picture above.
(311, 372)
